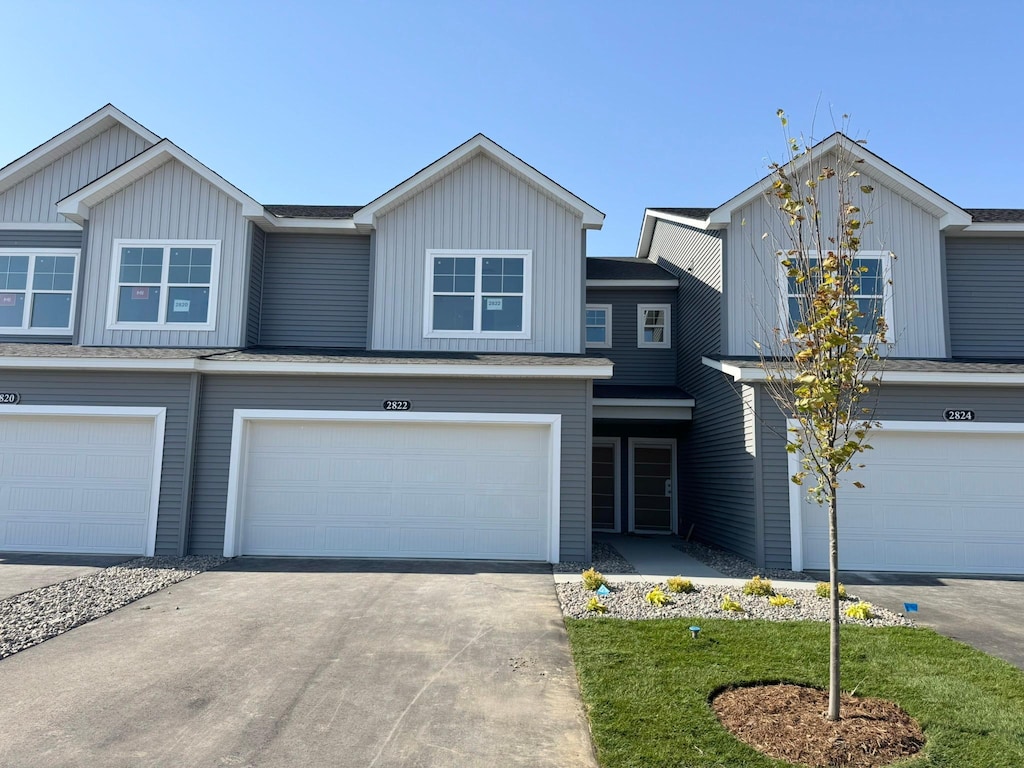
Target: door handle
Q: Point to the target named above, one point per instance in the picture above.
(668, 487)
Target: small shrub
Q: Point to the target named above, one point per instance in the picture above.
(593, 580)
(780, 601)
(862, 611)
(678, 584)
(728, 604)
(824, 589)
(657, 597)
(758, 587)
(596, 606)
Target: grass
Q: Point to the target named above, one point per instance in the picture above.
(646, 686)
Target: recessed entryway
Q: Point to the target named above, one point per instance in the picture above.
(605, 484)
(652, 469)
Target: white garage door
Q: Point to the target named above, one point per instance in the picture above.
(396, 489)
(72, 483)
(934, 502)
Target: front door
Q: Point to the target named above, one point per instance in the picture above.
(605, 484)
(652, 498)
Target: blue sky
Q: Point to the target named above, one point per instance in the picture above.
(628, 105)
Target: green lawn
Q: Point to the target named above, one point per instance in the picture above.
(646, 686)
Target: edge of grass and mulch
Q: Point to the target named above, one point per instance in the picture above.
(647, 687)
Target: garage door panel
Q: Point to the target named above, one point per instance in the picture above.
(271, 539)
(114, 501)
(983, 482)
(112, 536)
(22, 534)
(924, 519)
(282, 467)
(364, 541)
(980, 557)
(353, 469)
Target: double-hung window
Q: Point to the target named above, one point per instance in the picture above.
(654, 326)
(872, 294)
(599, 325)
(37, 290)
(477, 294)
(159, 284)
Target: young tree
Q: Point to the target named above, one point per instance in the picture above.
(824, 361)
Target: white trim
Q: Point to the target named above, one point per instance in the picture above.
(616, 445)
(30, 292)
(965, 378)
(674, 511)
(592, 218)
(233, 522)
(161, 324)
(666, 283)
(76, 206)
(159, 416)
(307, 223)
(93, 125)
(607, 343)
(650, 221)
(673, 413)
(641, 309)
(796, 492)
(58, 226)
(478, 255)
(992, 228)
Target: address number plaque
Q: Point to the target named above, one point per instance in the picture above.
(397, 405)
(958, 414)
(9, 398)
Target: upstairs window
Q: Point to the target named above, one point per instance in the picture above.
(599, 325)
(37, 291)
(654, 327)
(164, 284)
(872, 296)
(477, 294)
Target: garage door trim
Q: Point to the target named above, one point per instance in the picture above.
(159, 417)
(239, 437)
(797, 493)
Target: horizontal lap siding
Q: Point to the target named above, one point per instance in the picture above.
(985, 279)
(634, 364)
(34, 199)
(223, 394)
(124, 389)
(252, 320)
(316, 291)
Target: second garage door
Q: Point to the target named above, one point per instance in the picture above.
(396, 489)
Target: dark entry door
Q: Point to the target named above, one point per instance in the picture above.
(604, 486)
(653, 475)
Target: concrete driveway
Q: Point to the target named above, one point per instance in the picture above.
(983, 612)
(308, 663)
(21, 572)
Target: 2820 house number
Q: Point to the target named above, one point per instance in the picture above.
(397, 405)
(9, 398)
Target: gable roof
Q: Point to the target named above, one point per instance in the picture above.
(312, 211)
(480, 144)
(76, 206)
(99, 121)
(616, 269)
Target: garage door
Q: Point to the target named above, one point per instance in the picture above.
(396, 489)
(934, 502)
(73, 483)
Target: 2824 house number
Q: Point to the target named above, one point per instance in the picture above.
(953, 414)
(397, 405)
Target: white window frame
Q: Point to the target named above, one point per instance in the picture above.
(607, 308)
(479, 255)
(26, 328)
(641, 310)
(161, 322)
(885, 257)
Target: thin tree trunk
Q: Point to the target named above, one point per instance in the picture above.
(833, 568)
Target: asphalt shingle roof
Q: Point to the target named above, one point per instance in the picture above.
(625, 268)
(690, 213)
(313, 211)
(997, 215)
(629, 392)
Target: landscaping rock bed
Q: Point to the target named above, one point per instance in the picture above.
(606, 559)
(32, 617)
(734, 566)
(626, 601)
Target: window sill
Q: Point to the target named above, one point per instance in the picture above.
(35, 331)
(476, 335)
(162, 327)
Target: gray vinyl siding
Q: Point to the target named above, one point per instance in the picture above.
(895, 403)
(717, 484)
(985, 277)
(634, 364)
(223, 394)
(125, 389)
(901, 226)
(316, 291)
(33, 199)
(256, 259)
(170, 203)
(479, 204)
(38, 238)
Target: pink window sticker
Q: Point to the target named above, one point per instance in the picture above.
(140, 293)
(8, 299)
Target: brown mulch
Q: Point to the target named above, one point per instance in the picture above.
(788, 722)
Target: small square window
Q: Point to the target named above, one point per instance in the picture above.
(599, 325)
(654, 327)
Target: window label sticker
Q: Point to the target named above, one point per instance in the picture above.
(494, 304)
(8, 299)
(140, 293)
(182, 305)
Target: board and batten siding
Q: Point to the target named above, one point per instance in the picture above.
(33, 199)
(223, 394)
(169, 203)
(121, 389)
(316, 291)
(717, 486)
(985, 284)
(641, 366)
(480, 204)
(257, 249)
(755, 281)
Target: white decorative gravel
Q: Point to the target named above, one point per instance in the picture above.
(626, 601)
(734, 566)
(605, 558)
(32, 617)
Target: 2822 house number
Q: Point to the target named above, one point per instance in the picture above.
(397, 405)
